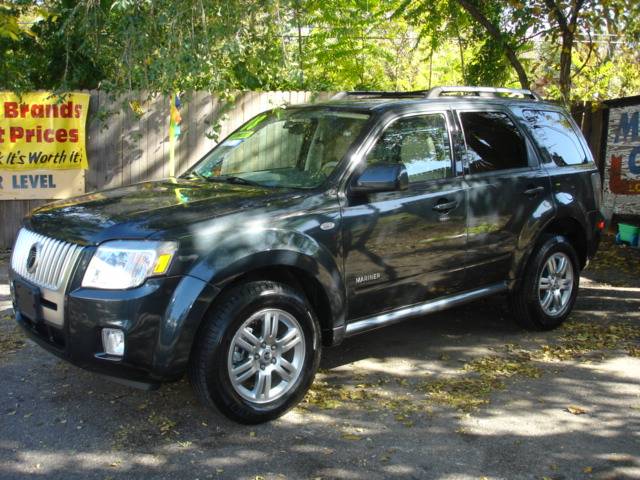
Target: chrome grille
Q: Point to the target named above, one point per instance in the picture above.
(53, 259)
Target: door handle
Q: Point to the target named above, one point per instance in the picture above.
(445, 206)
(533, 191)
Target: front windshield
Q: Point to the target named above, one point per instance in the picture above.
(297, 148)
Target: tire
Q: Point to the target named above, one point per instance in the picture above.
(226, 351)
(530, 302)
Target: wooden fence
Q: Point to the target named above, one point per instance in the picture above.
(127, 138)
(591, 118)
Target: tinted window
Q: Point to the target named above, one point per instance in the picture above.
(421, 143)
(493, 142)
(555, 136)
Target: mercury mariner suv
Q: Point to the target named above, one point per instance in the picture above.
(307, 225)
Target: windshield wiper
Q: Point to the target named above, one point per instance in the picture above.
(240, 181)
(225, 178)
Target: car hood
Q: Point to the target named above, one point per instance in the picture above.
(141, 210)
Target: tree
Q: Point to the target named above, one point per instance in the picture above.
(566, 16)
(495, 31)
(500, 39)
(161, 46)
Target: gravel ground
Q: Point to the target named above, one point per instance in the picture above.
(463, 394)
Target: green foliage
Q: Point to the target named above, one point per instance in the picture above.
(165, 45)
(489, 66)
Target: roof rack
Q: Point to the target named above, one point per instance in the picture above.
(379, 94)
(437, 92)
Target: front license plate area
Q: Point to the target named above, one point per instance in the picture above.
(28, 300)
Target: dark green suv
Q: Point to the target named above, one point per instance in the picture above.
(307, 225)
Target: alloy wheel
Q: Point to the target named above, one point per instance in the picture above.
(266, 356)
(555, 284)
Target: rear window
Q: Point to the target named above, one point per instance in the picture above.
(493, 142)
(556, 137)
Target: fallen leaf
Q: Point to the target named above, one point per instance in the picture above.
(351, 436)
(587, 469)
(575, 410)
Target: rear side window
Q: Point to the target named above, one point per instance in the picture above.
(493, 142)
(556, 137)
(421, 143)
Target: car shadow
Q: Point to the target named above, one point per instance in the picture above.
(61, 422)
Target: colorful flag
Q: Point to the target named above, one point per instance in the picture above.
(174, 132)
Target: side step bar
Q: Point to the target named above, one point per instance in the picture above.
(431, 306)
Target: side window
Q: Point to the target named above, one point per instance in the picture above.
(493, 142)
(421, 143)
(556, 137)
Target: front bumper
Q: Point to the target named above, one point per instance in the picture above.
(159, 320)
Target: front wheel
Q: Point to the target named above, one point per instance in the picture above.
(548, 290)
(257, 353)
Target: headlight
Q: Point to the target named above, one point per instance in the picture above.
(126, 264)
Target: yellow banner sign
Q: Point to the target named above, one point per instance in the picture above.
(43, 131)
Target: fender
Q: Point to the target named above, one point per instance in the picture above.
(543, 215)
(247, 251)
(188, 305)
(564, 206)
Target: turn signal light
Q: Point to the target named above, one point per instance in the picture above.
(162, 264)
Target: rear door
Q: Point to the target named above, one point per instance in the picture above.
(505, 187)
(565, 155)
(406, 247)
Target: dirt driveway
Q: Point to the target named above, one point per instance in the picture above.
(464, 394)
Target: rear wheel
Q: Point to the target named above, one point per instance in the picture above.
(547, 292)
(258, 352)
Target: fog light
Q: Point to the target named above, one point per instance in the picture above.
(113, 341)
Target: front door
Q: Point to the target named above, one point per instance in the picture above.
(408, 246)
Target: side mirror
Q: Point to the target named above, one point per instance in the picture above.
(382, 177)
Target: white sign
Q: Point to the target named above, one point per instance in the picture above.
(622, 161)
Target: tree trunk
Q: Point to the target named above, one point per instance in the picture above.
(431, 65)
(564, 79)
(461, 52)
(567, 24)
(497, 35)
(300, 54)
